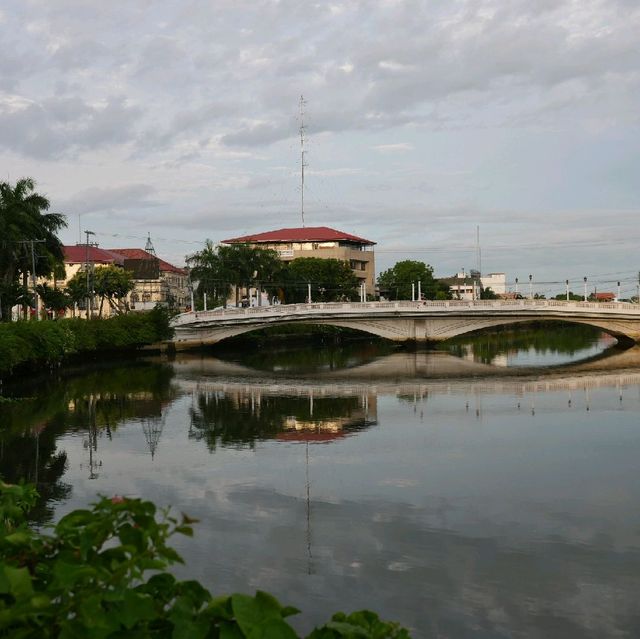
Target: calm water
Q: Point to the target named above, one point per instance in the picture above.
(461, 498)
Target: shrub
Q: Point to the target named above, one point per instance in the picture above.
(48, 342)
(90, 579)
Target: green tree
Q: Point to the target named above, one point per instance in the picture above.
(395, 283)
(53, 299)
(330, 279)
(76, 290)
(23, 218)
(113, 284)
(219, 268)
(488, 294)
(573, 297)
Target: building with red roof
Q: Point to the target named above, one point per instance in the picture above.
(318, 241)
(155, 280)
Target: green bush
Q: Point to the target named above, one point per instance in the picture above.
(50, 341)
(89, 579)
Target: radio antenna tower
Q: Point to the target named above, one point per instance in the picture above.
(302, 164)
(149, 245)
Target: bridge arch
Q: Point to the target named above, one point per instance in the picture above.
(408, 321)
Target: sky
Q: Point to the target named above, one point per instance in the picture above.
(428, 125)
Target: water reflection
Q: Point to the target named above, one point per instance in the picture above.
(241, 414)
(459, 500)
(92, 405)
(539, 344)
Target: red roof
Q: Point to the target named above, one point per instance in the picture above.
(78, 254)
(304, 234)
(309, 436)
(141, 254)
(605, 297)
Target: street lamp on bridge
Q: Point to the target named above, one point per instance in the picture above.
(585, 288)
(530, 287)
(567, 285)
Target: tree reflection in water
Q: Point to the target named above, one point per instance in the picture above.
(94, 403)
(239, 417)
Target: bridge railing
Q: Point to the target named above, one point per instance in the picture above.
(403, 305)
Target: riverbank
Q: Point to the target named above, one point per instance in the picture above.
(28, 346)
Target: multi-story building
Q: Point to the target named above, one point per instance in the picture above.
(318, 241)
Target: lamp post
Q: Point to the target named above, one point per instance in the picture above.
(530, 287)
(516, 287)
(585, 288)
(567, 285)
(618, 296)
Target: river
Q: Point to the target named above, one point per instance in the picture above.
(490, 489)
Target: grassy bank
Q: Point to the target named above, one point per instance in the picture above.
(24, 344)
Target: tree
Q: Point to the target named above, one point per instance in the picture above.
(53, 299)
(488, 294)
(218, 268)
(23, 219)
(113, 284)
(76, 290)
(395, 283)
(330, 279)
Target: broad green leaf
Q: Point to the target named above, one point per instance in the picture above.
(230, 630)
(251, 612)
(272, 629)
(19, 581)
(68, 574)
(136, 607)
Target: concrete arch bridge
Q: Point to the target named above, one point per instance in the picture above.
(407, 321)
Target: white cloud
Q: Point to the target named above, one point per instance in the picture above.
(399, 146)
(498, 106)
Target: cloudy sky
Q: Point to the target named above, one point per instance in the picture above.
(425, 120)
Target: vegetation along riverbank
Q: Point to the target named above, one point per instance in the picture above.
(29, 345)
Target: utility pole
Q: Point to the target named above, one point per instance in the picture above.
(86, 265)
(33, 273)
(36, 299)
(302, 164)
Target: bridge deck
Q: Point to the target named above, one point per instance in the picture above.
(429, 308)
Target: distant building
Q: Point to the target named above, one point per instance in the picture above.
(318, 241)
(603, 297)
(156, 281)
(464, 286)
(497, 282)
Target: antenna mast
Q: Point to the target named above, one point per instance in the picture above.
(302, 164)
(149, 245)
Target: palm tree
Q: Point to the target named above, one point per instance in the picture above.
(211, 273)
(23, 220)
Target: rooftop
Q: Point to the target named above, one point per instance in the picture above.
(81, 253)
(141, 254)
(302, 234)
